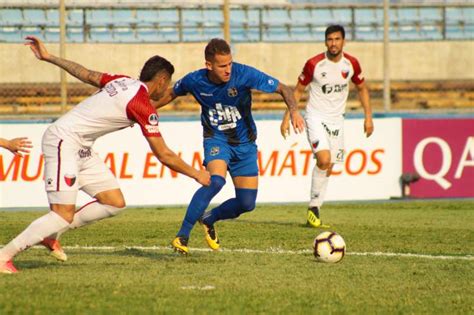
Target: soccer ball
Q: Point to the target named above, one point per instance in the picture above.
(329, 247)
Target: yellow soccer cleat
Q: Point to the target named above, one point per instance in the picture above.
(313, 217)
(180, 245)
(210, 235)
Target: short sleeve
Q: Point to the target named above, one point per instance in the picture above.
(307, 73)
(106, 78)
(259, 80)
(181, 87)
(140, 110)
(357, 77)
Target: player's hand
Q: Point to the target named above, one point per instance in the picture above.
(37, 47)
(368, 127)
(18, 146)
(203, 177)
(297, 121)
(285, 128)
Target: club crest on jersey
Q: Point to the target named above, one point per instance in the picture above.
(214, 151)
(345, 73)
(153, 119)
(70, 179)
(232, 92)
(271, 82)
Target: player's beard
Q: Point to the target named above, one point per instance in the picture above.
(334, 55)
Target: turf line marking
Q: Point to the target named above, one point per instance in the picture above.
(266, 251)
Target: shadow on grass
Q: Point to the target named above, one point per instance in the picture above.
(135, 252)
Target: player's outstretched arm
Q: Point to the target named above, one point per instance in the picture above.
(285, 123)
(168, 97)
(76, 70)
(16, 146)
(296, 120)
(173, 161)
(365, 100)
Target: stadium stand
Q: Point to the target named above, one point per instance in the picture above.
(269, 23)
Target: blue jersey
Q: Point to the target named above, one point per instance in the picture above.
(226, 108)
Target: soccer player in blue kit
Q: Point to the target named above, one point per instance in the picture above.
(223, 89)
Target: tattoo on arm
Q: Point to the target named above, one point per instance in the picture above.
(78, 71)
(288, 97)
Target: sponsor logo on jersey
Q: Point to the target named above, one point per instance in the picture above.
(340, 155)
(224, 117)
(336, 88)
(70, 179)
(84, 153)
(214, 151)
(153, 119)
(152, 129)
(232, 92)
(345, 73)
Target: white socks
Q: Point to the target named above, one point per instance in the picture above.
(319, 184)
(89, 213)
(39, 229)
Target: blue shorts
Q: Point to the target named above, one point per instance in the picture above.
(241, 159)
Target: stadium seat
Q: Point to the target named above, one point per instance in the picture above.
(368, 33)
(101, 35)
(431, 15)
(276, 34)
(74, 34)
(301, 17)
(301, 34)
(276, 17)
(214, 32)
(52, 17)
(468, 14)
(75, 17)
(408, 16)
(169, 34)
(148, 35)
(10, 34)
(147, 18)
(51, 34)
(365, 17)
(213, 18)
(238, 17)
(322, 17)
(32, 31)
(11, 17)
(245, 34)
(193, 35)
(99, 17)
(124, 35)
(455, 32)
(168, 17)
(192, 17)
(34, 17)
(123, 17)
(253, 17)
(432, 32)
(409, 33)
(342, 16)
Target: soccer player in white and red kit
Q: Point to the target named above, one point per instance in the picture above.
(72, 165)
(328, 76)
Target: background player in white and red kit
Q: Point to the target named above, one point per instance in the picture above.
(328, 76)
(70, 162)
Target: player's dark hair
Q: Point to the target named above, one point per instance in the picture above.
(216, 46)
(153, 66)
(334, 29)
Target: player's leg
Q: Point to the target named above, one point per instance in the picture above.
(244, 171)
(61, 171)
(216, 157)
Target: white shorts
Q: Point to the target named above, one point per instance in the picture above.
(326, 135)
(69, 167)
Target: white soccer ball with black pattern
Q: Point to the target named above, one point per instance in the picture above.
(329, 247)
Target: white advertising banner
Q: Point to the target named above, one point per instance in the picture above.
(371, 171)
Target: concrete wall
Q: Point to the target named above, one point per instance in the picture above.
(444, 60)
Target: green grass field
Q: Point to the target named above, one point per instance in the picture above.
(266, 265)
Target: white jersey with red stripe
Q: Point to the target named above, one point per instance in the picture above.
(120, 103)
(329, 84)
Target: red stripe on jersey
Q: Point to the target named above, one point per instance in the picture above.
(306, 75)
(58, 178)
(140, 110)
(91, 202)
(357, 77)
(106, 78)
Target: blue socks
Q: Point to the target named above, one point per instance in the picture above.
(199, 203)
(233, 208)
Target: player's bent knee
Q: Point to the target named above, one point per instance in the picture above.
(217, 182)
(113, 211)
(247, 199)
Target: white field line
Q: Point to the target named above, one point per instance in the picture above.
(266, 251)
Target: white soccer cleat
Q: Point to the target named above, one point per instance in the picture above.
(7, 267)
(55, 248)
